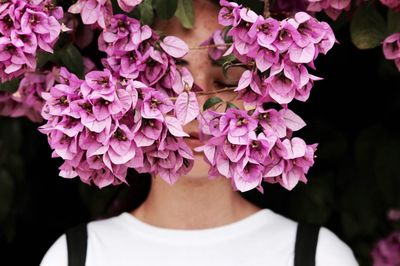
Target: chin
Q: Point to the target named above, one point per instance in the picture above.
(200, 168)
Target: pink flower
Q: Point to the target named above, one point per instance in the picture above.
(266, 30)
(394, 214)
(216, 39)
(391, 48)
(25, 27)
(386, 252)
(393, 4)
(229, 13)
(27, 100)
(128, 5)
(93, 11)
(331, 7)
(124, 34)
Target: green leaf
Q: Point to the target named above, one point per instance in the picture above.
(115, 7)
(367, 28)
(393, 21)
(185, 13)
(146, 12)
(229, 58)
(43, 58)
(211, 102)
(230, 105)
(10, 86)
(72, 59)
(165, 8)
(225, 66)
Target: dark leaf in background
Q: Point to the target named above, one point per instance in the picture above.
(393, 21)
(146, 12)
(165, 9)
(230, 105)
(10, 86)
(185, 13)
(367, 27)
(72, 59)
(211, 102)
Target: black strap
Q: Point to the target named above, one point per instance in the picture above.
(77, 245)
(306, 244)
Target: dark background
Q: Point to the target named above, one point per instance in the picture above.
(353, 113)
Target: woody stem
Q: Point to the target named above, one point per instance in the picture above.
(266, 9)
(209, 92)
(210, 46)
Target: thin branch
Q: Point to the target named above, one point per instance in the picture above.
(208, 92)
(209, 46)
(216, 91)
(266, 9)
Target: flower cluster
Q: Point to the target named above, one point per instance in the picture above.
(101, 126)
(27, 100)
(386, 252)
(332, 8)
(26, 26)
(277, 51)
(99, 12)
(134, 51)
(251, 148)
(254, 145)
(391, 48)
(392, 4)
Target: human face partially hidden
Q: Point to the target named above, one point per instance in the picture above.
(206, 75)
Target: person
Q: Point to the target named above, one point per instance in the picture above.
(198, 221)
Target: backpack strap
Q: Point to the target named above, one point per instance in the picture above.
(306, 244)
(77, 245)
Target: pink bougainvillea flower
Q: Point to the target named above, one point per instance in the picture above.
(173, 46)
(391, 48)
(93, 11)
(229, 14)
(333, 8)
(386, 252)
(392, 4)
(128, 5)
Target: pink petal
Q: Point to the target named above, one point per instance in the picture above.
(174, 46)
(187, 107)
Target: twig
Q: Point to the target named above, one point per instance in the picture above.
(216, 91)
(209, 46)
(266, 9)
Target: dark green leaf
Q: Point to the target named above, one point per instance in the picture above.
(393, 21)
(229, 58)
(10, 86)
(146, 12)
(225, 66)
(230, 105)
(43, 58)
(72, 59)
(211, 102)
(185, 13)
(165, 9)
(367, 28)
(115, 7)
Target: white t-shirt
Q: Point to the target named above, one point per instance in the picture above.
(263, 238)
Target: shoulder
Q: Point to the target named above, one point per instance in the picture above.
(57, 254)
(332, 251)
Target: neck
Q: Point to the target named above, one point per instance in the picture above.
(193, 204)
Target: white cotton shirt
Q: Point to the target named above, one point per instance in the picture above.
(264, 238)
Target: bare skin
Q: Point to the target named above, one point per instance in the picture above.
(194, 201)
